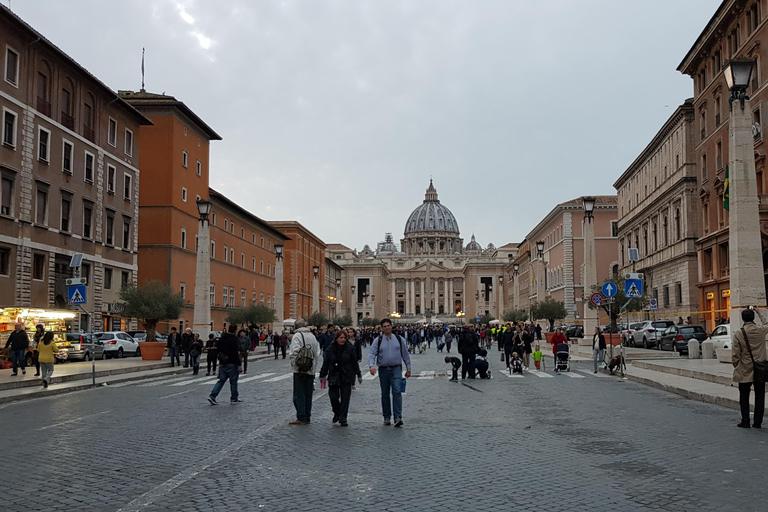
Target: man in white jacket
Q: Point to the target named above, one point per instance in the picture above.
(303, 381)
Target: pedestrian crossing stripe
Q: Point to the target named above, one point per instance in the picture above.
(541, 374)
(255, 377)
(512, 375)
(426, 375)
(368, 376)
(281, 377)
(572, 375)
(161, 382)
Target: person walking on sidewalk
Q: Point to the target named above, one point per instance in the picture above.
(598, 346)
(173, 345)
(229, 366)
(244, 344)
(211, 351)
(388, 352)
(47, 349)
(340, 366)
(195, 351)
(305, 351)
(36, 340)
(748, 347)
(19, 342)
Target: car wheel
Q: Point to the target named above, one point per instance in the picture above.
(138, 352)
(120, 353)
(103, 356)
(645, 342)
(674, 347)
(87, 356)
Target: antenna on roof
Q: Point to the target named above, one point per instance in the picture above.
(142, 70)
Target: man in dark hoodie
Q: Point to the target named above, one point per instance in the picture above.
(468, 346)
(229, 366)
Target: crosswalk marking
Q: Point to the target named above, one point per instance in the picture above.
(541, 374)
(601, 375)
(368, 376)
(512, 375)
(281, 377)
(255, 377)
(572, 375)
(193, 380)
(426, 375)
(164, 381)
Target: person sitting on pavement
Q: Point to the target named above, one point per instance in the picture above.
(481, 364)
(748, 346)
(455, 365)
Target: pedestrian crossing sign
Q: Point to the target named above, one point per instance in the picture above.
(633, 288)
(76, 295)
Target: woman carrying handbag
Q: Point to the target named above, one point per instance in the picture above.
(340, 367)
(749, 367)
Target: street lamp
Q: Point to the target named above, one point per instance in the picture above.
(589, 207)
(279, 251)
(202, 311)
(279, 292)
(315, 290)
(516, 268)
(338, 297)
(738, 75)
(540, 248)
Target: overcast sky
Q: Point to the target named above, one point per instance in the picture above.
(336, 113)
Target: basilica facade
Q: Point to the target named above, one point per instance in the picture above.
(432, 276)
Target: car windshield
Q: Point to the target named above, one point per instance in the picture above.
(691, 330)
(662, 325)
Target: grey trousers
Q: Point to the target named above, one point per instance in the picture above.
(47, 370)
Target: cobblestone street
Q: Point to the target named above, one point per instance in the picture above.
(569, 442)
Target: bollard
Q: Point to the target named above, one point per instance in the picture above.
(693, 349)
(708, 350)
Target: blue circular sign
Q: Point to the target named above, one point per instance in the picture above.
(609, 289)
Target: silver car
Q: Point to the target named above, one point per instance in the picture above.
(649, 333)
(84, 346)
(118, 344)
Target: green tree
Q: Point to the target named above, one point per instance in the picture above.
(370, 322)
(318, 320)
(486, 319)
(151, 303)
(515, 315)
(620, 301)
(343, 321)
(551, 310)
(254, 314)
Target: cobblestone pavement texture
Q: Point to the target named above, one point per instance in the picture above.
(555, 444)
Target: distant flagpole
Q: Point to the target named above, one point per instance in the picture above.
(142, 69)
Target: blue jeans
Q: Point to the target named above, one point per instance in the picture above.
(174, 353)
(195, 362)
(17, 359)
(597, 355)
(391, 378)
(186, 358)
(227, 371)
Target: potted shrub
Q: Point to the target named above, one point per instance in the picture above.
(151, 303)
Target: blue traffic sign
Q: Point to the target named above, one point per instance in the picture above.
(633, 288)
(76, 295)
(609, 289)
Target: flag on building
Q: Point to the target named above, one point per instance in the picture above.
(726, 192)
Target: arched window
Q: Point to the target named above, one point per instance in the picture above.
(44, 88)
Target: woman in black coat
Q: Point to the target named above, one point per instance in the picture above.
(340, 367)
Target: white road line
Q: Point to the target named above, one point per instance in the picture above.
(573, 375)
(368, 376)
(281, 377)
(541, 374)
(175, 394)
(426, 375)
(255, 377)
(512, 375)
(193, 380)
(73, 420)
(602, 375)
(164, 381)
(142, 381)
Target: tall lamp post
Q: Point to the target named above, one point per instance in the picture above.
(279, 293)
(591, 316)
(316, 289)
(202, 321)
(745, 251)
(540, 281)
(338, 298)
(500, 306)
(365, 302)
(352, 303)
(516, 270)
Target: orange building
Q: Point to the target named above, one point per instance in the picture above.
(175, 154)
(302, 252)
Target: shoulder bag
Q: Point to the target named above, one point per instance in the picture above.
(759, 368)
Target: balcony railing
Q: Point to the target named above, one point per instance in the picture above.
(88, 133)
(43, 106)
(68, 121)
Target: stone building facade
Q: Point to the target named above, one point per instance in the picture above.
(737, 30)
(658, 215)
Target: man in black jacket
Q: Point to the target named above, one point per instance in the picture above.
(186, 344)
(18, 341)
(507, 342)
(173, 345)
(468, 346)
(229, 360)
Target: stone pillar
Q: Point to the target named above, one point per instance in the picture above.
(279, 293)
(393, 300)
(447, 296)
(745, 246)
(413, 297)
(201, 323)
(423, 288)
(500, 304)
(316, 293)
(591, 316)
(436, 301)
(338, 300)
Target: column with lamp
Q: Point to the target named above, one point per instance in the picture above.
(352, 304)
(365, 302)
(745, 246)
(373, 306)
(516, 270)
(202, 322)
(316, 289)
(279, 293)
(500, 305)
(338, 298)
(540, 281)
(591, 316)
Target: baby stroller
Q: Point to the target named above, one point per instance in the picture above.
(422, 347)
(563, 358)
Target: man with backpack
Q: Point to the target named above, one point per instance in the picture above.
(388, 353)
(305, 351)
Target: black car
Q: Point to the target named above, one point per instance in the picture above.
(574, 331)
(676, 337)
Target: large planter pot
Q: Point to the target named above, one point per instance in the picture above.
(548, 336)
(152, 350)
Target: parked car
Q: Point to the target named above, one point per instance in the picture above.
(84, 346)
(137, 335)
(676, 337)
(118, 344)
(574, 331)
(721, 336)
(627, 331)
(649, 333)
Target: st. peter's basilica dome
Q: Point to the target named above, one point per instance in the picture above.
(431, 228)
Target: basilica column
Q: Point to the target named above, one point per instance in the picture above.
(449, 297)
(436, 302)
(412, 303)
(446, 296)
(407, 296)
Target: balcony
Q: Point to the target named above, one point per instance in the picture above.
(88, 133)
(68, 121)
(43, 106)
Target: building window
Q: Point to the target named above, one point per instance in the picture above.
(232, 255)
(666, 296)
(199, 168)
(719, 154)
(43, 145)
(87, 219)
(242, 297)
(242, 259)
(232, 296)
(262, 267)
(678, 294)
(66, 212)
(11, 67)
(704, 167)
(128, 142)
(38, 267)
(85, 271)
(242, 233)
(213, 249)
(111, 171)
(66, 159)
(213, 218)
(253, 264)
(43, 98)
(678, 234)
(232, 227)
(127, 187)
(226, 254)
(184, 194)
(88, 171)
(110, 229)
(262, 241)
(41, 210)
(183, 290)
(225, 296)
(253, 297)
(112, 133)
(9, 128)
(213, 294)
(183, 238)
(6, 198)
(124, 278)
(184, 158)
(261, 298)
(107, 278)
(127, 234)
(269, 269)
(226, 224)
